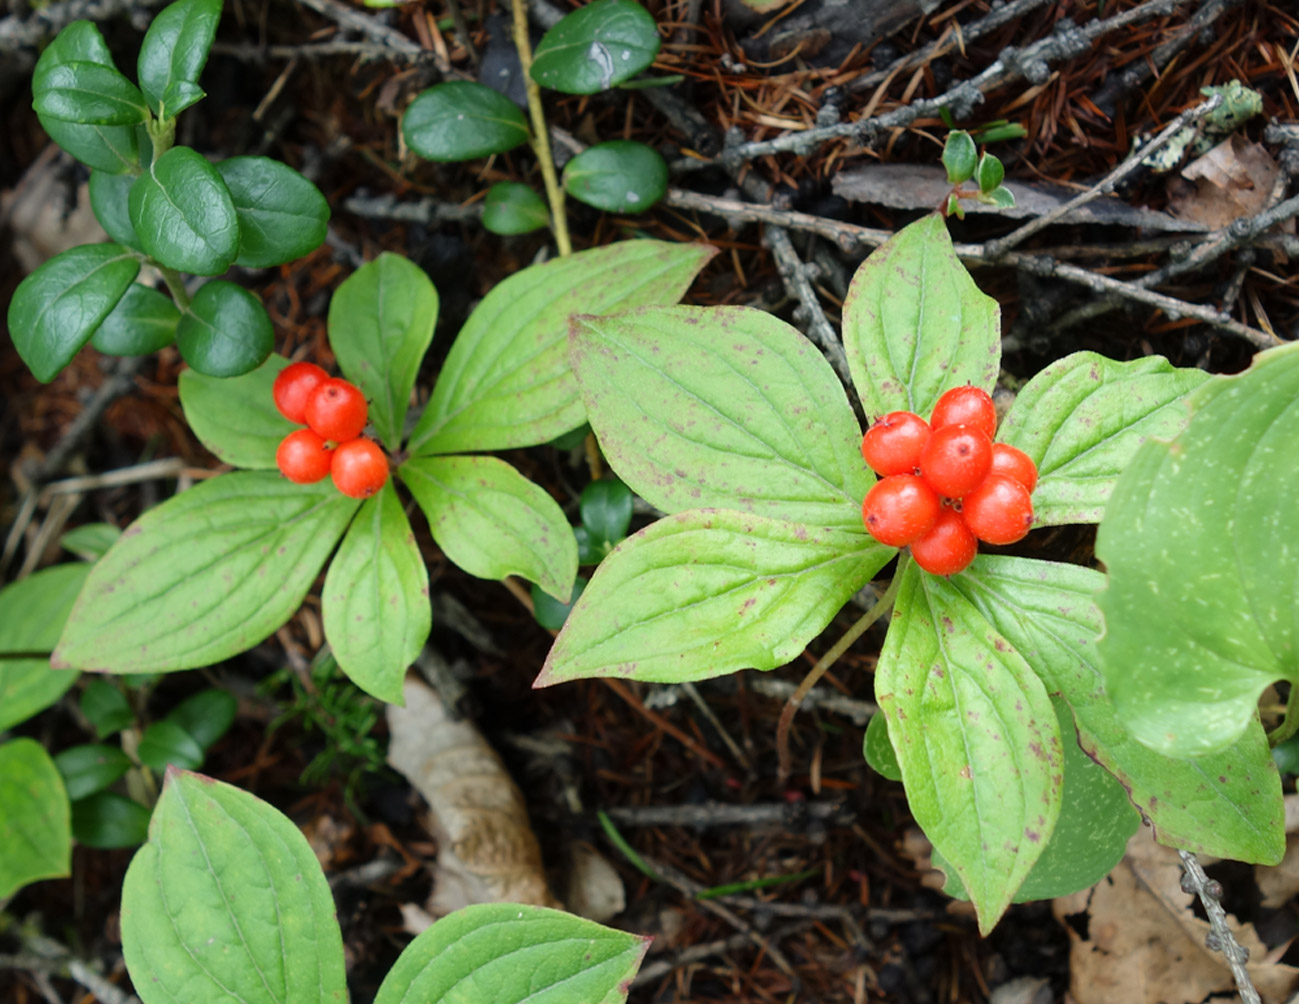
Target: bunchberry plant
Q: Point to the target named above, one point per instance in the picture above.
(994, 716)
(163, 206)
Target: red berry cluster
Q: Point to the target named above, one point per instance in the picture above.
(334, 411)
(944, 484)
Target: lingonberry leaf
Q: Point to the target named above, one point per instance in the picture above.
(32, 613)
(462, 120)
(35, 829)
(708, 592)
(915, 324)
(227, 901)
(507, 381)
(56, 309)
(596, 47)
(493, 522)
(514, 208)
(109, 821)
(381, 322)
(548, 611)
(989, 173)
(204, 576)
(877, 748)
(605, 507)
(225, 330)
(165, 744)
(1081, 421)
(173, 53)
(376, 601)
(960, 156)
(976, 739)
(206, 715)
(90, 768)
(143, 322)
(1225, 804)
(88, 94)
(620, 176)
(236, 417)
(184, 215)
(512, 954)
(106, 707)
(109, 199)
(1199, 540)
(282, 215)
(721, 407)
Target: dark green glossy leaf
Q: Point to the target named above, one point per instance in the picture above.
(236, 417)
(184, 215)
(90, 541)
(1286, 756)
(165, 744)
(206, 715)
(960, 156)
(88, 94)
(225, 331)
(514, 208)
(143, 321)
(549, 612)
(620, 176)
(596, 47)
(92, 768)
(35, 842)
(32, 613)
(989, 173)
(56, 309)
(110, 200)
(106, 708)
(180, 95)
(462, 120)
(109, 821)
(173, 53)
(605, 506)
(282, 216)
(877, 748)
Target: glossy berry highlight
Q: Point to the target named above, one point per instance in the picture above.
(956, 459)
(303, 457)
(899, 509)
(360, 468)
(893, 444)
(336, 410)
(999, 511)
(293, 385)
(965, 406)
(1015, 464)
(948, 547)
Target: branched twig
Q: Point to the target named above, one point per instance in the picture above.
(1220, 938)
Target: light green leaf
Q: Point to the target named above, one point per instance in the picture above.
(514, 208)
(505, 953)
(877, 748)
(721, 407)
(56, 309)
(462, 120)
(89, 542)
(596, 47)
(916, 325)
(989, 173)
(106, 708)
(620, 176)
(225, 331)
(227, 902)
(708, 592)
(236, 417)
(1081, 420)
(88, 94)
(35, 834)
(976, 739)
(376, 600)
(184, 215)
(959, 156)
(206, 715)
(381, 322)
(143, 322)
(282, 216)
(206, 575)
(32, 613)
(493, 522)
(88, 769)
(173, 53)
(109, 821)
(507, 381)
(110, 201)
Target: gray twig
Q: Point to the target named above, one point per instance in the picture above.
(1220, 938)
(780, 814)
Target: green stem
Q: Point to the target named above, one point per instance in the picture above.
(620, 842)
(1290, 723)
(541, 134)
(175, 286)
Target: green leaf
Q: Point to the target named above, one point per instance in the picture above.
(596, 47)
(88, 769)
(976, 739)
(1082, 419)
(206, 575)
(708, 592)
(954, 207)
(721, 407)
(989, 173)
(960, 156)
(32, 613)
(493, 522)
(1200, 540)
(282, 216)
(109, 199)
(236, 417)
(88, 94)
(206, 716)
(56, 309)
(173, 53)
(381, 323)
(514, 208)
(143, 322)
(35, 839)
(916, 325)
(1226, 804)
(184, 215)
(505, 953)
(462, 120)
(180, 95)
(165, 744)
(606, 506)
(877, 748)
(89, 542)
(109, 821)
(376, 600)
(550, 612)
(507, 381)
(620, 176)
(106, 708)
(226, 902)
(225, 331)
(1002, 197)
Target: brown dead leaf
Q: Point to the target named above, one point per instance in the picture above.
(487, 852)
(1230, 182)
(42, 221)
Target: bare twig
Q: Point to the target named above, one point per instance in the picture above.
(780, 814)
(1220, 938)
(428, 210)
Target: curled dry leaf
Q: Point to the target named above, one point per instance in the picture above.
(487, 852)
(1232, 181)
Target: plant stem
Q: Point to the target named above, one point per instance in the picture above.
(881, 607)
(175, 285)
(1290, 723)
(540, 134)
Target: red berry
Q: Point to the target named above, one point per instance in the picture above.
(336, 410)
(965, 406)
(1014, 464)
(948, 548)
(999, 511)
(893, 444)
(956, 460)
(899, 509)
(293, 386)
(303, 457)
(360, 468)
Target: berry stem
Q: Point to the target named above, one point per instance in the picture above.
(882, 606)
(540, 133)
